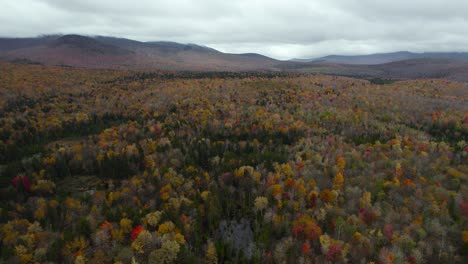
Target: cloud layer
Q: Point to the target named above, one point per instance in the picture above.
(280, 29)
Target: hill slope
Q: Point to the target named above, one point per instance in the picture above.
(109, 52)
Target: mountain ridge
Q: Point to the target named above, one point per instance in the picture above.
(121, 53)
(112, 52)
(381, 58)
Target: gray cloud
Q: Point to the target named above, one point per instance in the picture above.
(281, 29)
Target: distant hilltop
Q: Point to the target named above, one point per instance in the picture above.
(110, 52)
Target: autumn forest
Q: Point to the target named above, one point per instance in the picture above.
(126, 166)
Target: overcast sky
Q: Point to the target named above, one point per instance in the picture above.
(280, 29)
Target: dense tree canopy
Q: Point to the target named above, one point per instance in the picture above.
(105, 166)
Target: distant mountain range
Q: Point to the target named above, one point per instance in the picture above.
(121, 53)
(380, 58)
(394, 65)
(452, 69)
